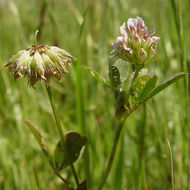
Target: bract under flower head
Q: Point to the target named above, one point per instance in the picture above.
(40, 63)
(135, 44)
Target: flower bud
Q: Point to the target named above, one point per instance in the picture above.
(135, 44)
(40, 63)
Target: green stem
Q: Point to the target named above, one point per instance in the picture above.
(136, 73)
(51, 10)
(171, 165)
(57, 174)
(81, 118)
(42, 19)
(55, 114)
(60, 130)
(177, 11)
(112, 155)
(117, 135)
(75, 175)
(36, 37)
(52, 166)
(141, 172)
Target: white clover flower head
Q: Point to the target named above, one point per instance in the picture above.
(135, 44)
(40, 62)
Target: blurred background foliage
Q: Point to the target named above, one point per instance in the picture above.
(86, 29)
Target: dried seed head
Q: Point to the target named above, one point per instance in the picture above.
(135, 44)
(40, 63)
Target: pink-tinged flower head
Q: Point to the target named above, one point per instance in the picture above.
(135, 44)
(40, 63)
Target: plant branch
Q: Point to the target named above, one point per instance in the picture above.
(60, 130)
(117, 135)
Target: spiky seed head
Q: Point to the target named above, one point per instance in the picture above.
(40, 63)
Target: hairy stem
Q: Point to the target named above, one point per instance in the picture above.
(112, 155)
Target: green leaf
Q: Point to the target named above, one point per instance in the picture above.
(148, 87)
(96, 76)
(67, 153)
(114, 76)
(123, 68)
(141, 87)
(35, 131)
(166, 83)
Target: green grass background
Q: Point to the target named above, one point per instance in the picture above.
(87, 29)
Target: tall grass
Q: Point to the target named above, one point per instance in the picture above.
(87, 29)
